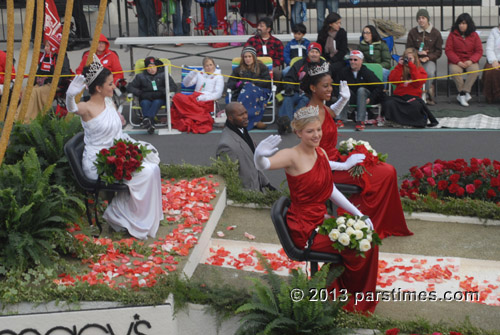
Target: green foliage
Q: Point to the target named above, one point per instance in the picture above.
(272, 310)
(47, 134)
(452, 206)
(229, 171)
(33, 213)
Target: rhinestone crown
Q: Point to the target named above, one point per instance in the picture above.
(94, 70)
(306, 112)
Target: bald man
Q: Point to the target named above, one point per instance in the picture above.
(236, 143)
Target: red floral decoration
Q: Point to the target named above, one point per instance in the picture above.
(480, 179)
(117, 163)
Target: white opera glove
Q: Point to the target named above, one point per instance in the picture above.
(344, 96)
(267, 147)
(76, 87)
(341, 201)
(349, 163)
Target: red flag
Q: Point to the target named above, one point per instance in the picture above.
(52, 24)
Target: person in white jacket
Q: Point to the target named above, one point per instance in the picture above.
(191, 113)
(491, 78)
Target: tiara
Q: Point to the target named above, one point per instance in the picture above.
(94, 69)
(306, 112)
(325, 68)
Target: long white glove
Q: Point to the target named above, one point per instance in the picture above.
(77, 85)
(267, 147)
(349, 163)
(344, 96)
(340, 200)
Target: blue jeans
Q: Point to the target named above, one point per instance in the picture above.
(209, 17)
(296, 13)
(181, 27)
(146, 17)
(151, 107)
(321, 5)
(292, 104)
(358, 98)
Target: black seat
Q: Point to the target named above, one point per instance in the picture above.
(348, 188)
(278, 216)
(74, 152)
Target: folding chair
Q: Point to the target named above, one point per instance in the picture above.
(271, 103)
(135, 110)
(190, 89)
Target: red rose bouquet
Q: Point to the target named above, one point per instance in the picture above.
(352, 146)
(117, 163)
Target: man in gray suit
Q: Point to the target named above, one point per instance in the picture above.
(237, 144)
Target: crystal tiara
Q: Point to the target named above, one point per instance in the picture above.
(94, 69)
(306, 112)
(324, 68)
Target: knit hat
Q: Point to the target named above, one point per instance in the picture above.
(316, 46)
(357, 53)
(249, 49)
(423, 12)
(149, 60)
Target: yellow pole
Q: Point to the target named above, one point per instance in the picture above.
(9, 60)
(34, 58)
(61, 55)
(23, 55)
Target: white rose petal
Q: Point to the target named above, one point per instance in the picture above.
(334, 235)
(340, 220)
(359, 224)
(350, 222)
(369, 237)
(341, 227)
(344, 239)
(359, 234)
(364, 245)
(349, 231)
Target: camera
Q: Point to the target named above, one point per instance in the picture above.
(405, 60)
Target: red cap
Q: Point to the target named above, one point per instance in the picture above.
(316, 46)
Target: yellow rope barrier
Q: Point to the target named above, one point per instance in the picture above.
(34, 60)
(4, 140)
(9, 60)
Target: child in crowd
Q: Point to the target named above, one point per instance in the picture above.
(296, 47)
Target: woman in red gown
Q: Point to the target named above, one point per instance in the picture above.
(311, 183)
(380, 197)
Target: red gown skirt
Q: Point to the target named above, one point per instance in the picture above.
(380, 197)
(190, 115)
(309, 192)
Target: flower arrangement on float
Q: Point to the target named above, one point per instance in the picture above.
(350, 232)
(352, 146)
(117, 163)
(456, 178)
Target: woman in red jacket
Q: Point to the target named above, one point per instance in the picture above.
(405, 106)
(464, 50)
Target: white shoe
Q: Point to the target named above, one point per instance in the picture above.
(467, 96)
(462, 100)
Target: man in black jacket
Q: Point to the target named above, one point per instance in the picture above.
(357, 73)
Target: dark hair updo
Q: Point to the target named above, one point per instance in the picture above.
(99, 80)
(305, 84)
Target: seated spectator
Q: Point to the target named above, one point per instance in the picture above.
(333, 40)
(296, 47)
(491, 78)
(464, 50)
(266, 44)
(375, 50)
(405, 106)
(236, 143)
(3, 61)
(191, 113)
(357, 73)
(294, 97)
(253, 94)
(149, 87)
(46, 65)
(109, 59)
(429, 43)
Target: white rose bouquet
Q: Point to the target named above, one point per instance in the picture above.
(352, 146)
(351, 232)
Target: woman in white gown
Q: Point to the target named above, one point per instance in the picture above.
(140, 210)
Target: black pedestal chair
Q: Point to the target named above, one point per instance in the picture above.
(74, 151)
(278, 216)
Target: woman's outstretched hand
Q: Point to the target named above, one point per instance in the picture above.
(267, 147)
(77, 85)
(354, 159)
(345, 92)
